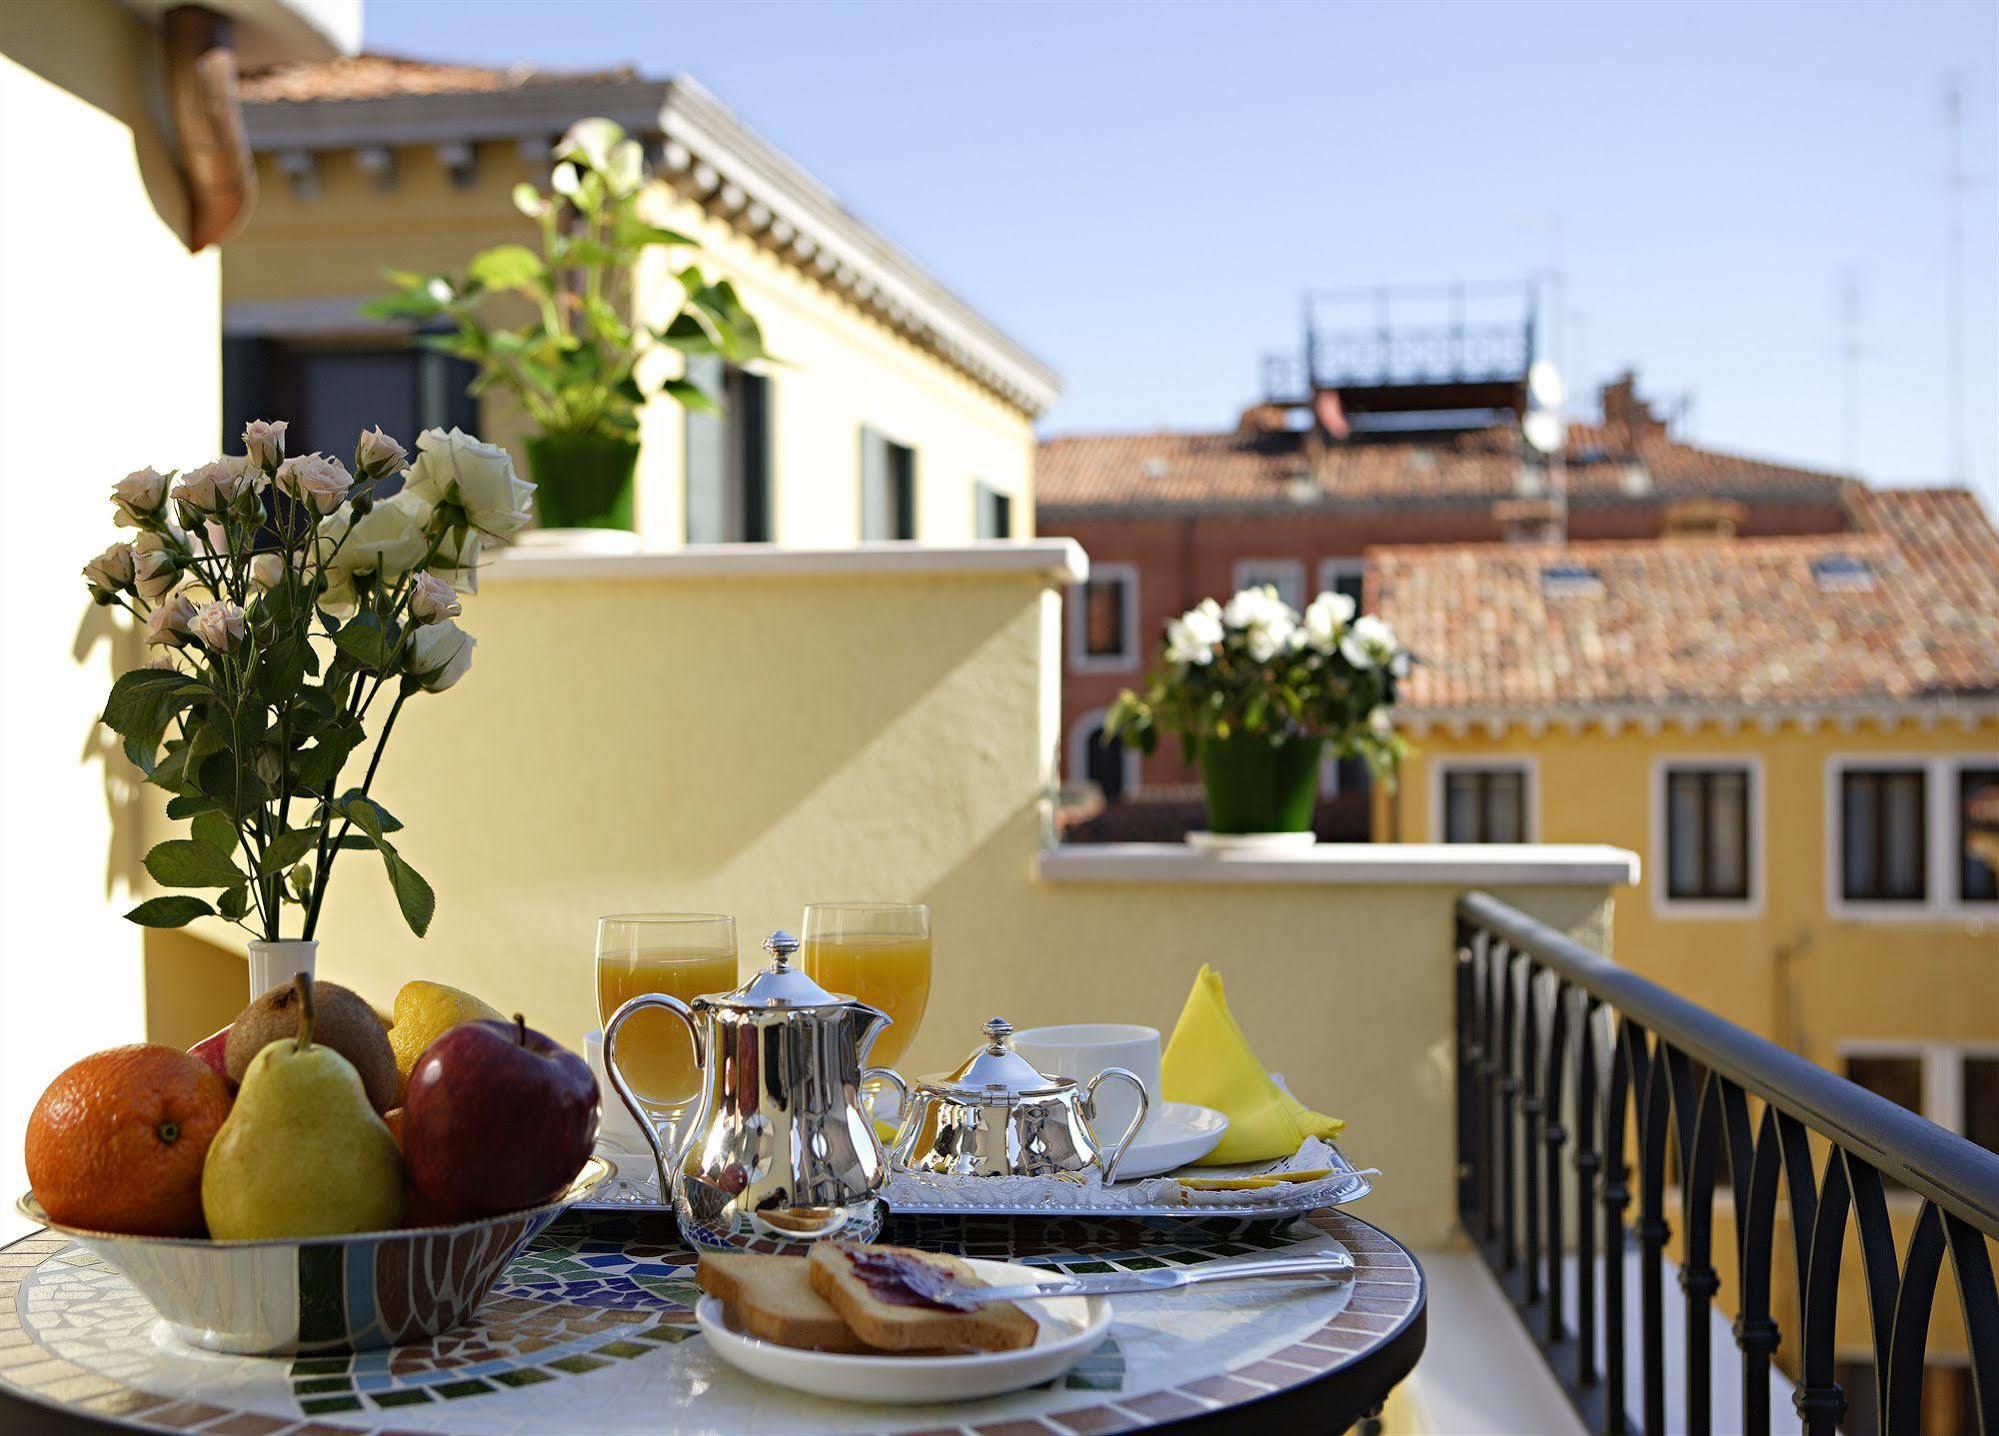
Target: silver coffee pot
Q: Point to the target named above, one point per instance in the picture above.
(781, 1147)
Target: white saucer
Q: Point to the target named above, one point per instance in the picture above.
(1071, 1328)
(1175, 1134)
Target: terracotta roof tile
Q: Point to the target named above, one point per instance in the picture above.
(1743, 622)
(380, 77)
(1223, 470)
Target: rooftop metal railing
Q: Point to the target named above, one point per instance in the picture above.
(1560, 1050)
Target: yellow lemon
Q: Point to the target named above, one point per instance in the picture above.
(424, 1012)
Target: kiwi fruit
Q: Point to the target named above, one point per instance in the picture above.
(342, 1020)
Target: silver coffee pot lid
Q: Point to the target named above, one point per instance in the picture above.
(781, 985)
(995, 1066)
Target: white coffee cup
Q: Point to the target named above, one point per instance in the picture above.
(1083, 1049)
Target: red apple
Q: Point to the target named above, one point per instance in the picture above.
(497, 1117)
(210, 1050)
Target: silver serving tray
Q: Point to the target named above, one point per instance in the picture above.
(634, 1187)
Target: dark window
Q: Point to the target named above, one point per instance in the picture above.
(728, 456)
(1884, 846)
(1708, 833)
(328, 393)
(1899, 1079)
(1349, 582)
(1978, 835)
(1106, 764)
(1485, 805)
(1981, 1101)
(888, 487)
(1105, 608)
(994, 516)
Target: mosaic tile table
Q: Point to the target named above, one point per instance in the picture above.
(592, 1329)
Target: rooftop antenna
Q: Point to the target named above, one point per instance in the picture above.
(1956, 182)
(1849, 358)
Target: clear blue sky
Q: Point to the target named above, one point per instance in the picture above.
(1137, 193)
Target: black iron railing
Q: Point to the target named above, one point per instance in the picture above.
(1568, 1063)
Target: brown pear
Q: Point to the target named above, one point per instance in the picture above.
(343, 1021)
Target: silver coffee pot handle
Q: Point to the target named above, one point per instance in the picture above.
(679, 1009)
(894, 1078)
(1090, 1095)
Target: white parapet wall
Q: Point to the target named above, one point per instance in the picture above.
(747, 730)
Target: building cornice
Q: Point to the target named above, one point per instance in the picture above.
(1968, 711)
(708, 155)
(1332, 501)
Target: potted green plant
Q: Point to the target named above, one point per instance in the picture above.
(574, 364)
(1259, 692)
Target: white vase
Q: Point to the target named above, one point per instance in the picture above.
(273, 964)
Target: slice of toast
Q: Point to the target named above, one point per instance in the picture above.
(771, 1297)
(895, 1326)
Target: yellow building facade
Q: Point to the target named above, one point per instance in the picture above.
(882, 376)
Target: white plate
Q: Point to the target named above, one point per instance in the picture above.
(1176, 1134)
(1071, 1328)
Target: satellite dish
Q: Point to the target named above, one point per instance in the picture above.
(1544, 430)
(1544, 384)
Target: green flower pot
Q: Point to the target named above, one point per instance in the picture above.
(582, 481)
(1256, 786)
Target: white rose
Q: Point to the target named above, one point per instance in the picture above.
(165, 662)
(1325, 618)
(111, 571)
(139, 497)
(1370, 643)
(378, 454)
(457, 561)
(157, 556)
(264, 442)
(432, 600)
(316, 480)
(1264, 641)
(267, 571)
(171, 622)
(1185, 646)
(591, 141)
(220, 625)
(439, 654)
(329, 539)
(478, 477)
(388, 539)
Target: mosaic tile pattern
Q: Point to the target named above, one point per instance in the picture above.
(592, 1327)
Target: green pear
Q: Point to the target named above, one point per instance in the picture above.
(302, 1153)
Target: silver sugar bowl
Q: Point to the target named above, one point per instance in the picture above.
(781, 1148)
(997, 1116)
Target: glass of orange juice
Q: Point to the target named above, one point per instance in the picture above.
(684, 955)
(878, 952)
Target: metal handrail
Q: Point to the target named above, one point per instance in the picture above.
(1958, 1175)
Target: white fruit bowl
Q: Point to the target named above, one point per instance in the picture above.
(322, 1294)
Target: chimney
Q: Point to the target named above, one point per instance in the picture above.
(1529, 520)
(1628, 416)
(1704, 519)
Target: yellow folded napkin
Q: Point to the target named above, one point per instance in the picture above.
(1208, 1062)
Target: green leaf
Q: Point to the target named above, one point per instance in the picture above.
(238, 791)
(186, 863)
(215, 830)
(506, 266)
(413, 894)
(176, 911)
(385, 821)
(287, 848)
(234, 903)
(189, 805)
(690, 396)
(367, 642)
(136, 695)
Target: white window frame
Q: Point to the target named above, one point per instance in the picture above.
(1442, 768)
(1943, 1069)
(1293, 570)
(1078, 748)
(1080, 659)
(1331, 569)
(1940, 777)
(1663, 903)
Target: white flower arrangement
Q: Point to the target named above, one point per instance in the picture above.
(278, 597)
(1255, 665)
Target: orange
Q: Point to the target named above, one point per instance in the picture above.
(117, 1141)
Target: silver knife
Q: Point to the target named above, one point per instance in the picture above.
(1327, 1267)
